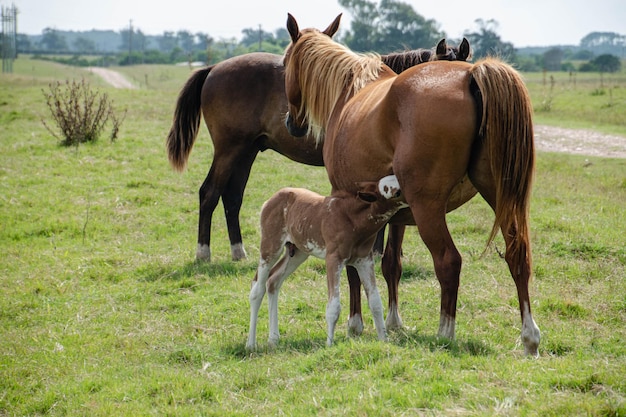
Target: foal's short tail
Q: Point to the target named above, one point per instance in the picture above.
(186, 121)
(507, 130)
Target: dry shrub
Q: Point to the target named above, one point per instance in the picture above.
(80, 113)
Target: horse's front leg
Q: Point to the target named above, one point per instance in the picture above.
(391, 265)
(334, 267)
(365, 268)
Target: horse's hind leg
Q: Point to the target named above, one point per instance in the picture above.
(232, 198)
(279, 273)
(391, 265)
(519, 264)
(214, 186)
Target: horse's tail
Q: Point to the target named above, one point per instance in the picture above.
(186, 121)
(507, 130)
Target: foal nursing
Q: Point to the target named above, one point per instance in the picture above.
(340, 229)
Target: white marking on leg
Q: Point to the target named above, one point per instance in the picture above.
(365, 268)
(333, 309)
(238, 252)
(531, 335)
(203, 252)
(256, 297)
(393, 321)
(446, 326)
(355, 325)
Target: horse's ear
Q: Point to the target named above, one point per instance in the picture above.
(292, 28)
(333, 27)
(442, 47)
(367, 191)
(366, 196)
(464, 50)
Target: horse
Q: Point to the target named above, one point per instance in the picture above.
(242, 100)
(432, 126)
(340, 228)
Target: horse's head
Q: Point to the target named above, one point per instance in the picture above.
(296, 120)
(444, 52)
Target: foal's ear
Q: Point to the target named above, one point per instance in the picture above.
(442, 48)
(292, 28)
(366, 196)
(464, 50)
(333, 27)
(368, 191)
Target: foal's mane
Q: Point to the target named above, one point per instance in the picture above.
(342, 71)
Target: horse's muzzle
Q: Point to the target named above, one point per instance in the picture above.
(297, 131)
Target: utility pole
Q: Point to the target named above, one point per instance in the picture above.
(130, 40)
(260, 38)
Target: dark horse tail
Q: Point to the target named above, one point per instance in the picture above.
(506, 129)
(186, 121)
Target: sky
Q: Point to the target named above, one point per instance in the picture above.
(521, 22)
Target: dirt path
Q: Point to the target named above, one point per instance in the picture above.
(547, 138)
(114, 78)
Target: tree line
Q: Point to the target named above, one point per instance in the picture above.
(383, 27)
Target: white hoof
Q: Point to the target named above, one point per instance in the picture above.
(203, 252)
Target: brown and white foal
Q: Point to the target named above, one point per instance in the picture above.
(340, 229)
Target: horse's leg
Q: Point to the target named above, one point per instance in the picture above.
(519, 265)
(430, 217)
(379, 243)
(391, 265)
(334, 267)
(256, 297)
(520, 268)
(355, 321)
(214, 186)
(232, 198)
(365, 268)
(282, 270)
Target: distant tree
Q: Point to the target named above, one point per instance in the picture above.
(133, 39)
(84, 45)
(583, 54)
(389, 26)
(252, 36)
(185, 40)
(23, 43)
(485, 41)
(552, 59)
(282, 37)
(607, 63)
(204, 41)
(53, 41)
(167, 42)
(596, 39)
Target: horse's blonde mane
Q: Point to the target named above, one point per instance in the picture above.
(328, 71)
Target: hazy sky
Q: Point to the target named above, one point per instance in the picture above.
(521, 22)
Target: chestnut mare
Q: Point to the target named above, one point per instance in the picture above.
(243, 103)
(432, 126)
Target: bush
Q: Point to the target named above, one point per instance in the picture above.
(79, 113)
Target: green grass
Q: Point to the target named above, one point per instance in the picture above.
(580, 100)
(104, 311)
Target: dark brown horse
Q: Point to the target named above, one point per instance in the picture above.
(432, 126)
(243, 103)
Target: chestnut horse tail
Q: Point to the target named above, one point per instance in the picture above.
(186, 121)
(506, 129)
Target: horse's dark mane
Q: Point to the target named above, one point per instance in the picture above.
(400, 61)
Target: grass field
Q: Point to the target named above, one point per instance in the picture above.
(104, 312)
